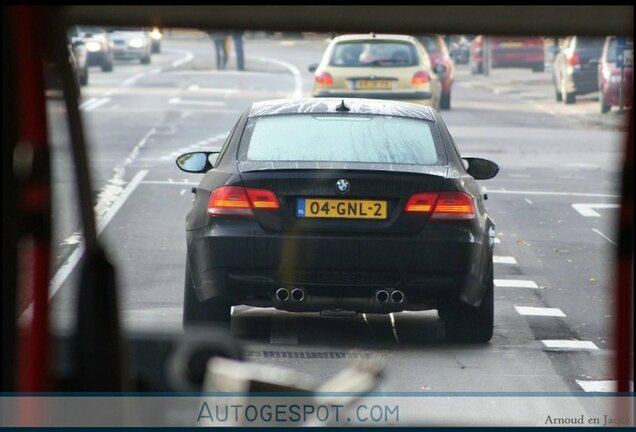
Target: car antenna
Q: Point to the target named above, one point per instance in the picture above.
(343, 107)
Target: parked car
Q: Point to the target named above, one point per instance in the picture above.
(609, 78)
(99, 47)
(378, 66)
(79, 55)
(130, 43)
(575, 68)
(438, 52)
(355, 204)
(156, 36)
(509, 51)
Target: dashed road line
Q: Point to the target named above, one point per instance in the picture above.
(604, 236)
(504, 260)
(587, 210)
(188, 57)
(539, 311)
(514, 283)
(97, 104)
(528, 201)
(568, 345)
(604, 386)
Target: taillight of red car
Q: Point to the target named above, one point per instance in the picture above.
(240, 201)
(442, 206)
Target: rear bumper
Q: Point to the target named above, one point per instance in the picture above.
(340, 272)
(611, 94)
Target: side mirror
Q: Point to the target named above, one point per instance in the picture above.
(197, 162)
(439, 68)
(480, 169)
(312, 67)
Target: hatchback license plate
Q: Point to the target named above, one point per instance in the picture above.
(341, 209)
(374, 85)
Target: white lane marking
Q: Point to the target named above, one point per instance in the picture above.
(528, 201)
(605, 386)
(176, 100)
(97, 104)
(587, 209)
(604, 236)
(564, 344)
(283, 331)
(539, 311)
(188, 57)
(395, 335)
(504, 260)
(69, 265)
(549, 193)
(132, 79)
(88, 102)
(582, 165)
(497, 240)
(513, 283)
(73, 239)
(182, 192)
(192, 87)
(184, 182)
(298, 80)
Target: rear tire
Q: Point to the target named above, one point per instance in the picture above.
(145, 59)
(473, 325)
(568, 98)
(604, 107)
(558, 96)
(538, 68)
(215, 310)
(476, 69)
(107, 65)
(445, 102)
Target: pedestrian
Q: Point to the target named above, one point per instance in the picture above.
(219, 38)
(237, 38)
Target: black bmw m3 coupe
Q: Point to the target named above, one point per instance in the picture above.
(329, 204)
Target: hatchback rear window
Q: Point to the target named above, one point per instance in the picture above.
(374, 53)
(342, 138)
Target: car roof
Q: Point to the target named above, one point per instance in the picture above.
(371, 36)
(329, 106)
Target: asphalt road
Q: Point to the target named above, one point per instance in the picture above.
(554, 203)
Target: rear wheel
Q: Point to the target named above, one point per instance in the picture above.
(476, 68)
(145, 59)
(604, 107)
(474, 325)
(568, 98)
(107, 64)
(214, 310)
(538, 67)
(445, 102)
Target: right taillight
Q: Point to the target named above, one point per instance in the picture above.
(442, 206)
(240, 201)
(421, 78)
(454, 206)
(324, 78)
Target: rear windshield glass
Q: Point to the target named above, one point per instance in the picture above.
(374, 53)
(342, 138)
(588, 42)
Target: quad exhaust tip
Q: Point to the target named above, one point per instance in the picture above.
(282, 294)
(298, 294)
(397, 296)
(382, 296)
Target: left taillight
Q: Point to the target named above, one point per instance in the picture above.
(240, 201)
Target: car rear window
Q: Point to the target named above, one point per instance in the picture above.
(342, 138)
(374, 53)
(588, 42)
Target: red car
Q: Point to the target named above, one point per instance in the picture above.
(609, 78)
(509, 51)
(439, 55)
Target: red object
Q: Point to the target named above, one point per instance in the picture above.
(27, 26)
(510, 51)
(421, 203)
(609, 83)
(421, 78)
(324, 78)
(442, 206)
(240, 201)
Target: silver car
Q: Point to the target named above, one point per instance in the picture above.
(130, 43)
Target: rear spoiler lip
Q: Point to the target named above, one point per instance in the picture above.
(245, 167)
